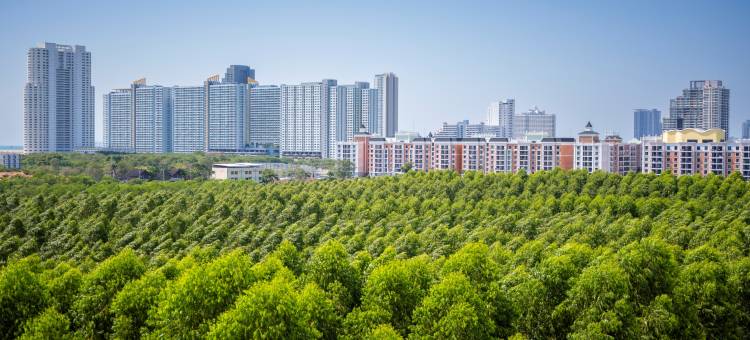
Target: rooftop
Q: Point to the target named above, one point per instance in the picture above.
(236, 165)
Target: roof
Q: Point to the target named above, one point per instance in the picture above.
(558, 139)
(498, 139)
(236, 165)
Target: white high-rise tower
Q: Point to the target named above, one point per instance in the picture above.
(387, 86)
(58, 102)
(501, 114)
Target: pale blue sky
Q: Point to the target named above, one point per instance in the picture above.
(582, 60)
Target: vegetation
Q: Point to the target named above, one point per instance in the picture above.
(148, 166)
(420, 256)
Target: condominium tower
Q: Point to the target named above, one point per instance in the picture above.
(265, 115)
(501, 114)
(58, 99)
(138, 119)
(304, 119)
(704, 105)
(746, 129)
(387, 86)
(646, 123)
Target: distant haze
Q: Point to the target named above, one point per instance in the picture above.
(581, 60)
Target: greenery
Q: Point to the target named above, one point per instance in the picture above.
(149, 166)
(438, 255)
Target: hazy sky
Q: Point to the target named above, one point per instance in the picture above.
(582, 60)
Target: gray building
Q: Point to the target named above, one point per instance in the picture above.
(463, 129)
(746, 129)
(501, 114)
(534, 124)
(352, 108)
(646, 123)
(704, 105)
(58, 99)
(239, 74)
(138, 119)
(387, 86)
(10, 160)
(265, 115)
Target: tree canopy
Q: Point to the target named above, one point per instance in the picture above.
(558, 254)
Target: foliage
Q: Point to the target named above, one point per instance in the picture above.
(421, 255)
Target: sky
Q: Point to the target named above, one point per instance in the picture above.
(581, 60)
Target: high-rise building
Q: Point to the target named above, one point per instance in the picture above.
(463, 129)
(227, 109)
(646, 123)
(188, 119)
(704, 105)
(304, 119)
(239, 74)
(58, 99)
(387, 86)
(138, 119)
(501, 113)
(533, 125)
(351, 109)
(265, 115)
(746, 129)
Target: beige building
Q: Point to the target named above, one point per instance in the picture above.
(236, 171)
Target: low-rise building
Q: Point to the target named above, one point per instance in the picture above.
(236, 171)
(10, 160)
(696, 152)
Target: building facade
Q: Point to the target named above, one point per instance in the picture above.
(265, 115)
(534, 124)
(696, 152)
(463, 129)
(227, 110)
(703, 105)
(236, 171)
(239, 74)
(646, 123)
(10, 160)
(501, 114)
(58, 99)
(746, 129)
(386, 85)
(304, 119)
(138, 119)
(188, 119)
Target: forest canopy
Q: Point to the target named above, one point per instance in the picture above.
(559, 254)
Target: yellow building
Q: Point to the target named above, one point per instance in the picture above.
(693, 135)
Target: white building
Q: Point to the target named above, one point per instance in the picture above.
(58, 99)
(265, 115)
(304, 119)
(533, 125)
(188, 119)
(236, 171)
(387, 86)
(138, 119)
(501, 114)
(227, 108)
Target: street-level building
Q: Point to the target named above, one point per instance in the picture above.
(236, 171)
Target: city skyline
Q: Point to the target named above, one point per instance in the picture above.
(601, 80)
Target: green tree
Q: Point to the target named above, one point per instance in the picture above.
(268, 176)
(22, 295)
(453, 310)
(92, 309)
